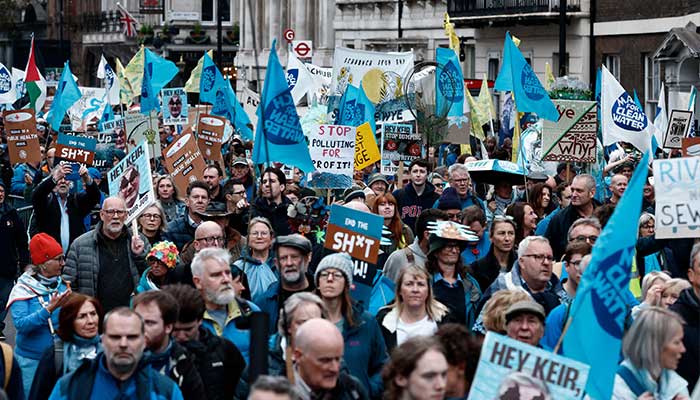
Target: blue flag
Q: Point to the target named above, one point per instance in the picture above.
(600, 306)
(517, 76)
(355, 108)
(157, 72)
(278, 136)
(210, 82)
(67, 93)
(449, 85)
(654, 142)
(239, 118)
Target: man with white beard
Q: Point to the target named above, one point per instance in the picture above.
(227, 315)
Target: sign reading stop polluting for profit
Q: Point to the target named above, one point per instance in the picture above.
(288, 35)
(302, 48)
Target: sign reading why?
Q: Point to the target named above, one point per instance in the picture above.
(501, 357)
(677, 187)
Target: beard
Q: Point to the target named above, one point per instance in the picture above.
(222, 297)
(123, 365)
(295, 277)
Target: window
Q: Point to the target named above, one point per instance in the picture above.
(652, 78)
(555, 64)
(612, 63)
(469, 61)
(493, 65)
(209, 11)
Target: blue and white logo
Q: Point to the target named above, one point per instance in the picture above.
(627, 115)
(5, 80)
(292, 77)
(531, 85)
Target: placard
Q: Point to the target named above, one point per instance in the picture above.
(131, 180)
(184, 161)
(691, 146)
(677, 188)
(678, 125)
(400, 142)
(573, 137)
(174, 106)
(332, 150)
(366, 149)
(502, 356)
(78, 149)
(113, 133)
(138, 129)
(210, 132)
(22, 139)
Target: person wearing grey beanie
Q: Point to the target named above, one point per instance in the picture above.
(365, 352)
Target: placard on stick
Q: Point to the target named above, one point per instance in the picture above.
(573, 137)
(131, 180)
(332, 150)
(691, 146)
(210, 133)
(76, 150)
(677, 188)
(184, 161)
(22, 139)
(138, 129)
(678, 126)
(366, 149)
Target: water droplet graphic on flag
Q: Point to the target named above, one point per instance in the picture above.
(531, 85)
(208, 77)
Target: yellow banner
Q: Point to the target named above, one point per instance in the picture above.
(366, 149)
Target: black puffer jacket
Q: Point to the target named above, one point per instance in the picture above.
(13, 242)
(276, 213)
(219, 363)
(688, 307)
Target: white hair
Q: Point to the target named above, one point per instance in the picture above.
(457, 167)
(522, 248)
(219, 255)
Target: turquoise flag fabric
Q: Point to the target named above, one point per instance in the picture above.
(67, 93)
(210, 81)
(107, 113)
(600, 307)
(157, 72)
(239, 119)
(654, 142)
(517, 76)
(278, 136)
(449, 85)
(356, 108)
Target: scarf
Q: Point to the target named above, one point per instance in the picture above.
(30, 285)
(80, 349)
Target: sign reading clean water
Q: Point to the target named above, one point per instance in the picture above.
(627, 115)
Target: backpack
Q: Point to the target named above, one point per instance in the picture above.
(632, 382)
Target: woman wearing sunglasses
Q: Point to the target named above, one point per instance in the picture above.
(35, 302)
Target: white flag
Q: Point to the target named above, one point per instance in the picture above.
(298, 78)
(661, 117)
(622, 120)
(250, 104)
(111, 83)
(7, 90)
(18, 83)
(88, 108)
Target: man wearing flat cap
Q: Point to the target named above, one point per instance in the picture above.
(292, 261)
(525, 322)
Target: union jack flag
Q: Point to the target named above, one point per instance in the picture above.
(130, 24)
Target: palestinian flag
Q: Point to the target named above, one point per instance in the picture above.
(34, 82)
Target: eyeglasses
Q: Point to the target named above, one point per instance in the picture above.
(175, 103)
(335, 275)
(451, 246)
(211, 239)
(540, 257)
(241, 193)
(259, 234)
(575, 264)
(648, 226)
(119, 213)
(461, 181)
(151, 216)
(582, 238)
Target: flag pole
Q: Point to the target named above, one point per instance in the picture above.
(561, 338)
(491, 123)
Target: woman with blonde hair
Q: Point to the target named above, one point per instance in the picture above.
(652, 348)
(494, 314)
(652, 288)
(672, 291)
(414, 311)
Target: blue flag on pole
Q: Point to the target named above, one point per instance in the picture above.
(278, 136)
(449, 90)
(600, 306)
(67, 93)
(157, 72)
(517, 76)
(355, 108)
(239, 118)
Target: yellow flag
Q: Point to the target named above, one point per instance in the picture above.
(548, 77)
(475, 117)
(366, 149)
(451, 34)
(192, 85)
(134, 71)
(125, 92)
(515, 148)
(485, 102)
(515, 40)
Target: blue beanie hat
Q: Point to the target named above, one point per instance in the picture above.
(449, 200)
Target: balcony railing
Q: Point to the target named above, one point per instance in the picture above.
(105, 22)
(466, 8)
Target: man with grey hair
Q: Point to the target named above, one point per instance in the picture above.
(459, 179)
(118, 372)
(273, 388)
(227, 315)
(318, 352)
(688, 307)
(107, 262)
(582, 206)
(532, 273)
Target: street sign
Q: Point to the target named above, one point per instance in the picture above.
(289, 35)
(302, 48)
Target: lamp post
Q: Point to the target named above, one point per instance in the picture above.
(219, 36)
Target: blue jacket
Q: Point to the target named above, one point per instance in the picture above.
(92, 381)
(180, 231)
(365, 351)
(268, 302)
(18, 185)
(237, 325)
(32, 323)
(410, 205)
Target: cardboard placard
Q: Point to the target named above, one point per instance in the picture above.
(22, 138)
(184, 161)
(113, 133)
(138, 129)
(502, 356)
(400, 142)
(131, 180)
(366, 149)
(332, 150)
(79, 150)
(174, 106)
(678, 126)
(210, 133)
(691, 147)
(573, 137)
(677, 188)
